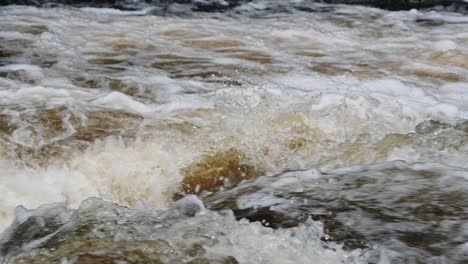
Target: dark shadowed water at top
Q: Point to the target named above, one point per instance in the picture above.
(309, 133)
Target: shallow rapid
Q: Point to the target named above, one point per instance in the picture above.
(339, 132)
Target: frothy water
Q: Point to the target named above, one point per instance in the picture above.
(136, 108)
(117, 234)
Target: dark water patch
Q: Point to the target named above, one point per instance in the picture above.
(102, 124)
(4, 53)
(195, 68)
(57, 132)
(400, 4)
(97, 125)
(405, 207)
(329, 69)
(23, 51)
(16, 43)
(462, 127)
(255, 56)
(451, 58)
(34, 29)
(430, 126)
(5, 125)
(125, 86)
(28, 29)
(120, 4)
(444, 76)
(226, 82)
(104, 61)
(164, 6)
(429, 22)
(186, 7)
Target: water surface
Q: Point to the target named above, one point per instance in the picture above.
(367, 109)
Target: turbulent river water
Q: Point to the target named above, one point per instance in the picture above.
(308, 133)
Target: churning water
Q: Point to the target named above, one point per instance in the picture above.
(339, 134)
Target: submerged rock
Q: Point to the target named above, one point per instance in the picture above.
(224, 169)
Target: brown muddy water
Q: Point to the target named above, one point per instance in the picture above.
(337, 134)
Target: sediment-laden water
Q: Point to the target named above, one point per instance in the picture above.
(311, 133)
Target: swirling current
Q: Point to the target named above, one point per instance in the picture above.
(233, 132)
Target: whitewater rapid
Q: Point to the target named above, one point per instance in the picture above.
(132, 107)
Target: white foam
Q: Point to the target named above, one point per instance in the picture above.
(32, 72)
(455, 93)
(35, 94)
(121, 102)
(109, 170)
(252, 243)
(282, 116)
(445, 45)
(37, 187)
